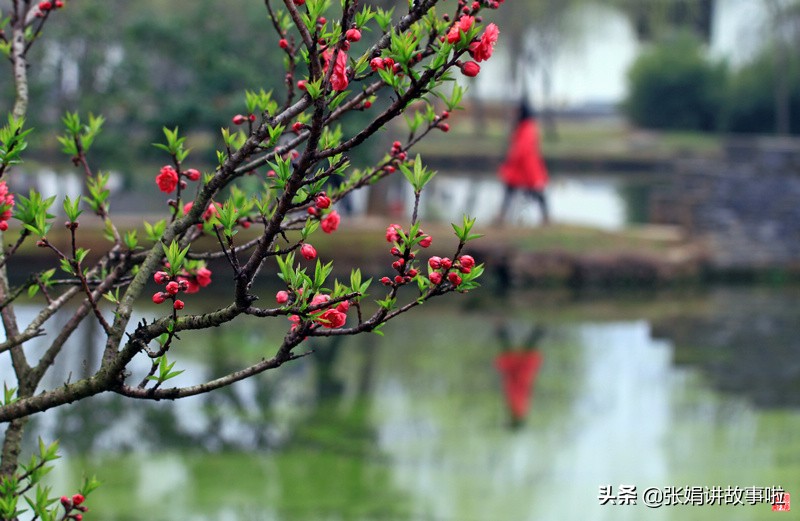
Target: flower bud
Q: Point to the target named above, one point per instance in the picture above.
(283, 43)
(353, 35)
(435, 277)
(466, 261)
(386, 281)
(238, 119)
(435, 262)
(282, 297)
(446, 263)
(308, 252)
(178, 305)
(77, 499)
(173, 287)
(454, 278)
(161, 277)
(192, 174)
(470, 69)
(322, 201)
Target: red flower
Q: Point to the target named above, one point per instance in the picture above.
(203, 276)
(454, 278)
(308, 252)
(167, 180)
(282, 297)
(376, 63)
(192, 174)
(343, 306)
(322, 201)
(482, 50)
(331, 222)
(211, 211)
(173, 287)
(470, 69)
(392, 234)
(332, 318)
(189, 284)
(463, 25)
(339, 79)
(353, 35)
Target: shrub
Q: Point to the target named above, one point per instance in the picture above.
(674, 86)
(750, 100)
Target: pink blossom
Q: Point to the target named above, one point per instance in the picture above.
(482, 50)
(332, 318)
(463, 25)
(330, 222)
(167, 180)
(339, 79)
(392, 234)
(308, 252)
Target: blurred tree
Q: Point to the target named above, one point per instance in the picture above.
(782, 35)
(655, 19)
(159, 62)
(674, 85)
(534, 32)
(750, 104)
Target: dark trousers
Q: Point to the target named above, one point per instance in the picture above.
(530, 192)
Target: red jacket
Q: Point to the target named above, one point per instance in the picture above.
(524, 166)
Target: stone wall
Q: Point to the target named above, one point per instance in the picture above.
(747, 207)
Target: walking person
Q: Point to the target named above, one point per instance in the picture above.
(524, 168)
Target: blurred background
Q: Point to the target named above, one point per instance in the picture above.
(646, 336)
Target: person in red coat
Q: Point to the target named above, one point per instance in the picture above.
(524, 168)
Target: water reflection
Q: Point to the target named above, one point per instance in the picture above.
(518, 364)
(414, 426)
(599, 200)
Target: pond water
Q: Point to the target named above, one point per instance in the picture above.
(601, 200)
(695, 389)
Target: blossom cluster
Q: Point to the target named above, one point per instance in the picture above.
(168, 178)
(404, 266)
(6, 204)
(444, 267)
(47, 5)
(188, 281)
(331, 317)
(74, 503)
